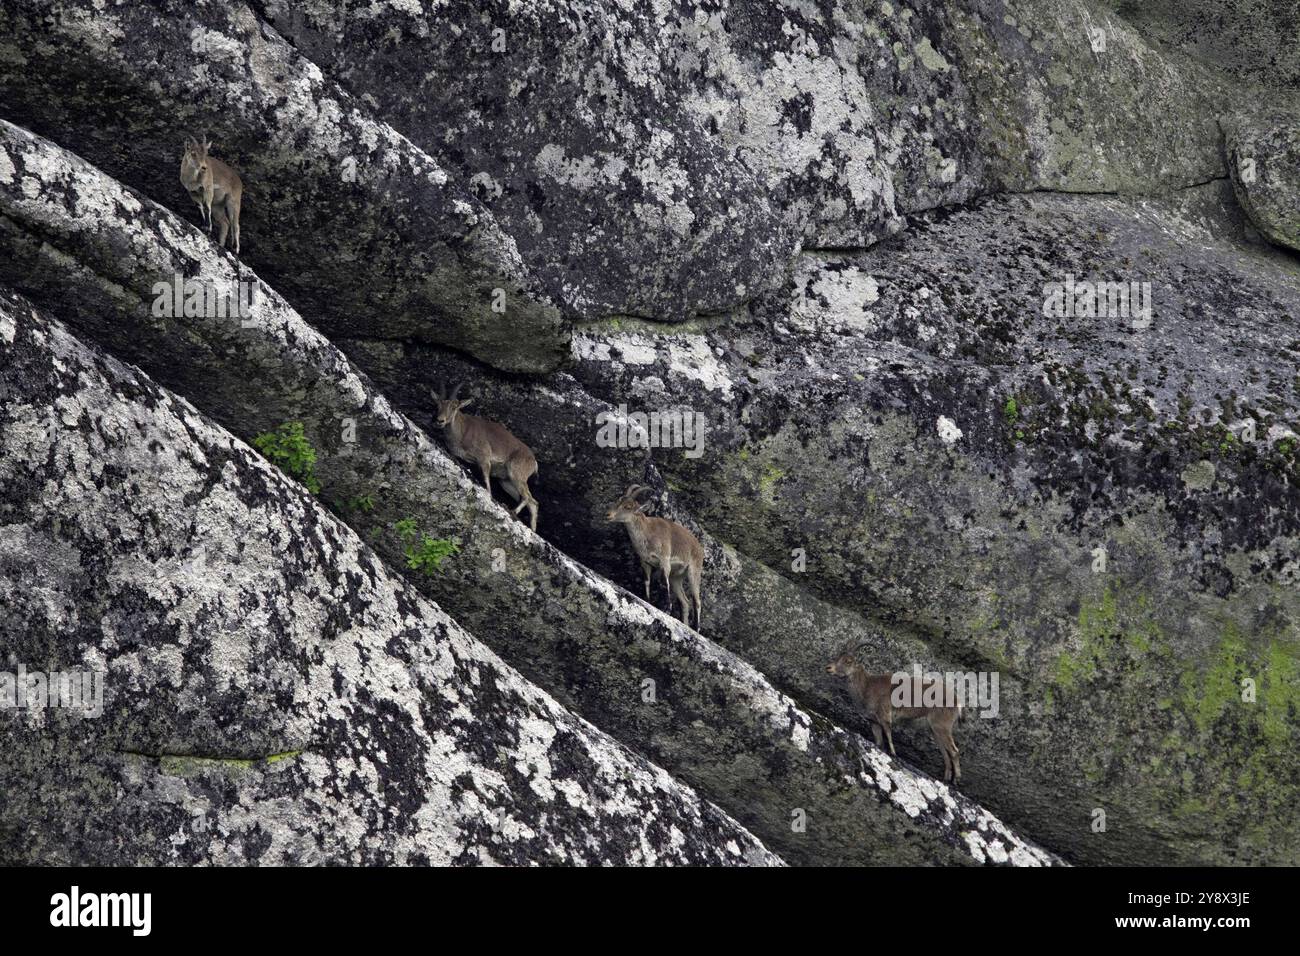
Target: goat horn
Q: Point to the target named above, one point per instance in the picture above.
(455, 392)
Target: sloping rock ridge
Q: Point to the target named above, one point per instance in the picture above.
(269, 691)
(333, 191)
(985, 310)
(716, 721)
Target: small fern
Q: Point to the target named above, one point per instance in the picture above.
(288, 449)
(362, 504)
(424, 553)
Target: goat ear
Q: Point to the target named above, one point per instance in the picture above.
(464, 401)
(646, 508)
(207, 143)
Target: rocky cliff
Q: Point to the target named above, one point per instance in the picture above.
(274, 693)
(849, 240)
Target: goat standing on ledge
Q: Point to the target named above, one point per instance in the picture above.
(660, 543)
(215, 187)
(490, 446)
(874, 692)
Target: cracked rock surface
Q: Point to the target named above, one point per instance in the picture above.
(332, 191)
(868, 245)
(271, 692)
(666, 159)
(715, 721)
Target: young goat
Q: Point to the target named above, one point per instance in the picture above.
(491, 447)
(215, 187)
(660, 543)
(874, 692)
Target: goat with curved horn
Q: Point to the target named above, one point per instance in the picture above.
(491, 447)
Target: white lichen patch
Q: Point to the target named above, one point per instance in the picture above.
(839, 297)
(586, 172)
(947, 430)
(634, 349)
(218, 46)
(929, 57)
(691, 357)
(626, 348)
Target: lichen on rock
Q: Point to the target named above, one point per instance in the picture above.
(271, 692)
(991, 370)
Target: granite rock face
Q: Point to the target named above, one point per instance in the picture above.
(331, 191)
(1264, 155)
(267, 690)
(661, 162)
(838, 510)
(1252, 44)
(955, 414)
(1253, 40)
(1101, 507)
(703, 713)
(664, 160)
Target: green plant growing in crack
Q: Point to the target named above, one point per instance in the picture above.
(1013, 415)
(358, 504)
(424, 553)
(1011, 411)
(288, 449)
